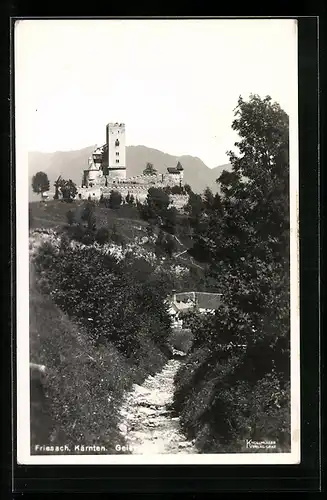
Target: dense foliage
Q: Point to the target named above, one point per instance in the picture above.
(157, 210)
(66, 189)
(40, 183)
(105, 296)
(235, 385)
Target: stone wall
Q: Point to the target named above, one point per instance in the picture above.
(139, 190)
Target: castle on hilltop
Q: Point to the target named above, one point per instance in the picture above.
(107, 172)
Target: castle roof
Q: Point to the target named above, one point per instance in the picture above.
(173, 170)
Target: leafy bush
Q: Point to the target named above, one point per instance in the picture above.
(68, 190)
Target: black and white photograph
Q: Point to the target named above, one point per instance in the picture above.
(157, 284)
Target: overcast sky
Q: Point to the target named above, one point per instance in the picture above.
(174, 83)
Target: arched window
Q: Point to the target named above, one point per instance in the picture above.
(117, 142)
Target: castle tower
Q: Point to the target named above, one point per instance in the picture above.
(115, 135)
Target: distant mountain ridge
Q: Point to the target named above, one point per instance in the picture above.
(70, 165)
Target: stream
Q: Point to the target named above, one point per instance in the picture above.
(146, 421)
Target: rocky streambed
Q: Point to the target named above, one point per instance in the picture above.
(147, 423)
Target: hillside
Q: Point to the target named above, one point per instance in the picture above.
(70, 164)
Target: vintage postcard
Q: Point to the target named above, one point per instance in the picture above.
(157, 241)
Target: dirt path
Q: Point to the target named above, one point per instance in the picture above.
(146, 421)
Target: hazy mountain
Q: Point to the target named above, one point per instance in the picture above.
(70, 165)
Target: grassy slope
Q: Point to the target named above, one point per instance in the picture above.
(53, 214)
(78, 398)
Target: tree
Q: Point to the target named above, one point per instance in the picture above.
(251, 240)
(194, 208)
(40, 183)
(247, 244)
(208, 198)
(115, 199)
(149, 169)
(157, 202)
(204, 224)
(57, 185)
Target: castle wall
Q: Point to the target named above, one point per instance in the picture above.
(139, 192)
(83, 193)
